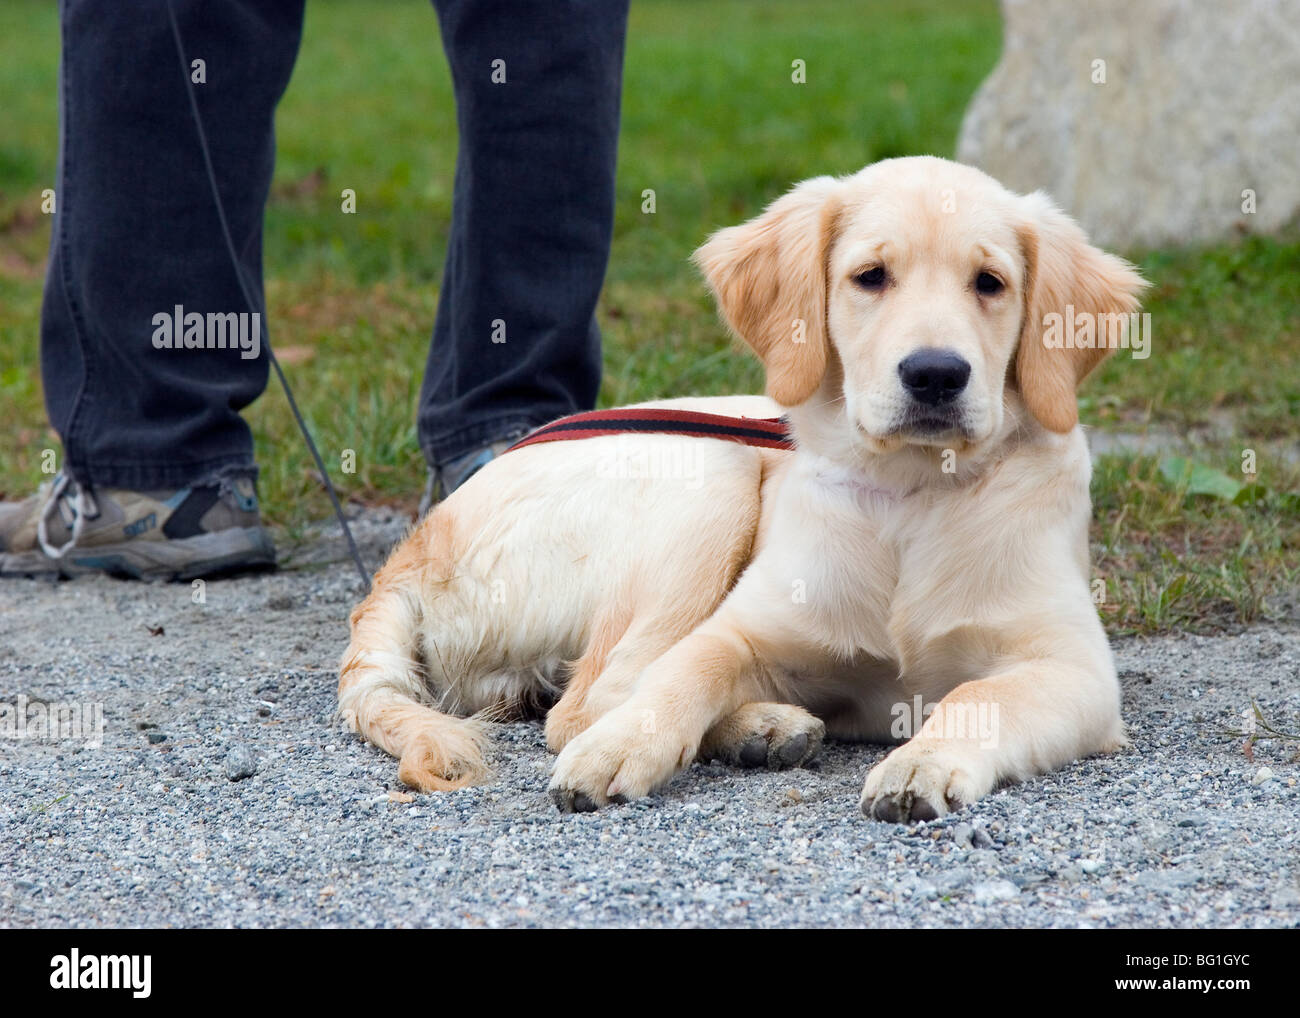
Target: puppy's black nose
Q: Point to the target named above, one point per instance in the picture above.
(934, 377)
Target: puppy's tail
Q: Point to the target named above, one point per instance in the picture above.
(383, 695)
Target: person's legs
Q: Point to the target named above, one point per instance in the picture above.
(515, 343)
(158, 472)
(136, 233)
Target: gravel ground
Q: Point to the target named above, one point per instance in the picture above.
(223, 795)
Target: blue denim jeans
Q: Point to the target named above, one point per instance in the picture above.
(136, 233)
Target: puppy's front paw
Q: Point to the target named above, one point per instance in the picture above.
(622, 756)
(923, 780)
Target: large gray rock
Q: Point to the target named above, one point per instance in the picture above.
(1200, 102)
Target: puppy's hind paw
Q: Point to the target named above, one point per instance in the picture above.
(772, 735)
(564, 723)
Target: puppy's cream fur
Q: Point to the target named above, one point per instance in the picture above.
(680, 597)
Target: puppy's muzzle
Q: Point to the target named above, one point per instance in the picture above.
(934, 380)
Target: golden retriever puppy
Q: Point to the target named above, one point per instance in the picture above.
(916, 569)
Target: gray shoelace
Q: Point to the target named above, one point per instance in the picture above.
(75, 505)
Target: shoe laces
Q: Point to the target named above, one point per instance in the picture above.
(227, 486)
(75, 505)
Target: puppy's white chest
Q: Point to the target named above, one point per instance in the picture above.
(845, 554)
(837, 485)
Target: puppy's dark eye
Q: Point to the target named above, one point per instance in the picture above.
(988, 284)
(872, 279)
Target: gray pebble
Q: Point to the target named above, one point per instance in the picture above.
(994, 890)
(240, 763)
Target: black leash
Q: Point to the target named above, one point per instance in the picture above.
(254, 306)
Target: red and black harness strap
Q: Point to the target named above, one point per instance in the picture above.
(765, 432)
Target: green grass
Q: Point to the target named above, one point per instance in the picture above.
(1225, 325)
(714, 125)
(1171, 559)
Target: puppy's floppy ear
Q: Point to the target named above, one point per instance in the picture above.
(769, 278)
(1064, 270)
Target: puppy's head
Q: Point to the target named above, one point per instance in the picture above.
(910, 299)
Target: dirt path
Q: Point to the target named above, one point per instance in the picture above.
(149, 829)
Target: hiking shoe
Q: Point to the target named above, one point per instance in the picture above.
(445, 479)
(66, 529)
